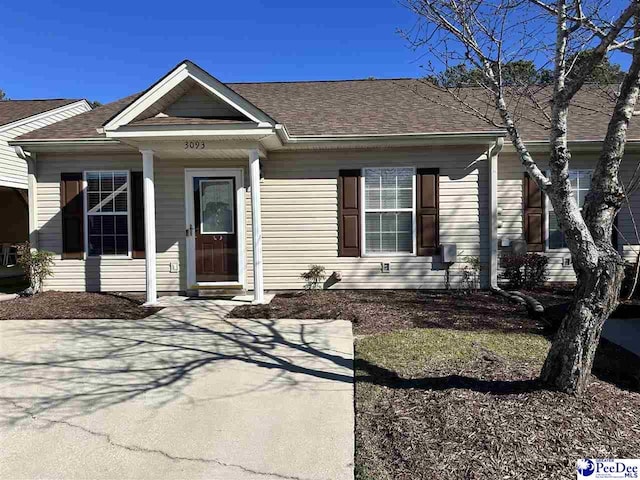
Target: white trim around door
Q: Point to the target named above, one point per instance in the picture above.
(189, 175)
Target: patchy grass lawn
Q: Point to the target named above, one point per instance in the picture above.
(81, 305)
(446, 387)
(438, 403)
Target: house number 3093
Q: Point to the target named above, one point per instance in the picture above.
(194, 145)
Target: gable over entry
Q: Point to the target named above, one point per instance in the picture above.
(190, 114)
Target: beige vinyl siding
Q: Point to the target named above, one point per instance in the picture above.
(299, 219)
(118, 274)
(13, 169)
(197, 102)
(299, 216)
(510, 190)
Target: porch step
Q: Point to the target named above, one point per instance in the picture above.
(219, 291)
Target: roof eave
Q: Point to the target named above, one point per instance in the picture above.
(44, 114)
(70, 144)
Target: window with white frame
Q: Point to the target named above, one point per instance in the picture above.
(580, 184)
(107, 200)
(389, 210)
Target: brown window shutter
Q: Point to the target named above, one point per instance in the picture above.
(427, 211)
(534, 224)
(72, 206)
(349, 213)
(137, 215)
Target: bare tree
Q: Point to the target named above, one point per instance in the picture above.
(488, 34)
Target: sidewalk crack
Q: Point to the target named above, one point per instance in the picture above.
(140, 449)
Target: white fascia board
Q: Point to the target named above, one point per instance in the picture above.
(160, 133)
(71, 145)
(440, 138)
(382, 136)
(228, 96)
(154, 94)
(63, 142)
(45, 114)
(173, 79)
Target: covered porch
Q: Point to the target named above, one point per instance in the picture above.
(222, 210)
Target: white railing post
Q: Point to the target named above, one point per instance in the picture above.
(254, 178)
(149, 226)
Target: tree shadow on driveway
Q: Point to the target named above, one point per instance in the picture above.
(77, 367)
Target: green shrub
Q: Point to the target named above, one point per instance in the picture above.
(528, 270)
(37, 265)
(314, 277)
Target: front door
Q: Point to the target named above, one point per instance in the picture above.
(214, 228)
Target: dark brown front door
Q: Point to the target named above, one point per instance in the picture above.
(215, 212)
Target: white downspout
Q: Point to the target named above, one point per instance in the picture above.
(494, 150)
(32, 185)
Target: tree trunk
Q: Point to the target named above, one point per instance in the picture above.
(568, 365)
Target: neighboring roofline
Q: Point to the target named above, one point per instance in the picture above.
(38, 116)
(176, 75)
(70, 100)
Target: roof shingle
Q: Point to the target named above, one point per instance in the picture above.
(363, 107)
(14, 110)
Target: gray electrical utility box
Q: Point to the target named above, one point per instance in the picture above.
(519, 247)
(449, 252)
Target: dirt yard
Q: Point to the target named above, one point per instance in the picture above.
(389, 310)
(80, 305)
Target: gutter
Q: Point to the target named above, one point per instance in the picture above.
(62, 142)
(286, 138)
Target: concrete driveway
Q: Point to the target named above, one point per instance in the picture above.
(183, 394)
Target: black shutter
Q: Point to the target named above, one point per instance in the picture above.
(72, 208)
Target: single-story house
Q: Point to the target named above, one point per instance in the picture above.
(18, 117)
(195, 184)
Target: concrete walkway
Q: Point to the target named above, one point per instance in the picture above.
(183, 394)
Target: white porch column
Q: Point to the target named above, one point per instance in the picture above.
(256, 224)
(149, 226)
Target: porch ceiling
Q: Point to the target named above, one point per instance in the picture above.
(236, 147)
(198, 143)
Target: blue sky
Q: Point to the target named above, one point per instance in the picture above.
(107, 50)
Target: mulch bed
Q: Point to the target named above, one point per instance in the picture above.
(556, 301)
(486, 419)
(71, 305)
(388, 310)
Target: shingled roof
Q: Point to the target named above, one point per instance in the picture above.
(14, 110)
(364, 107)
